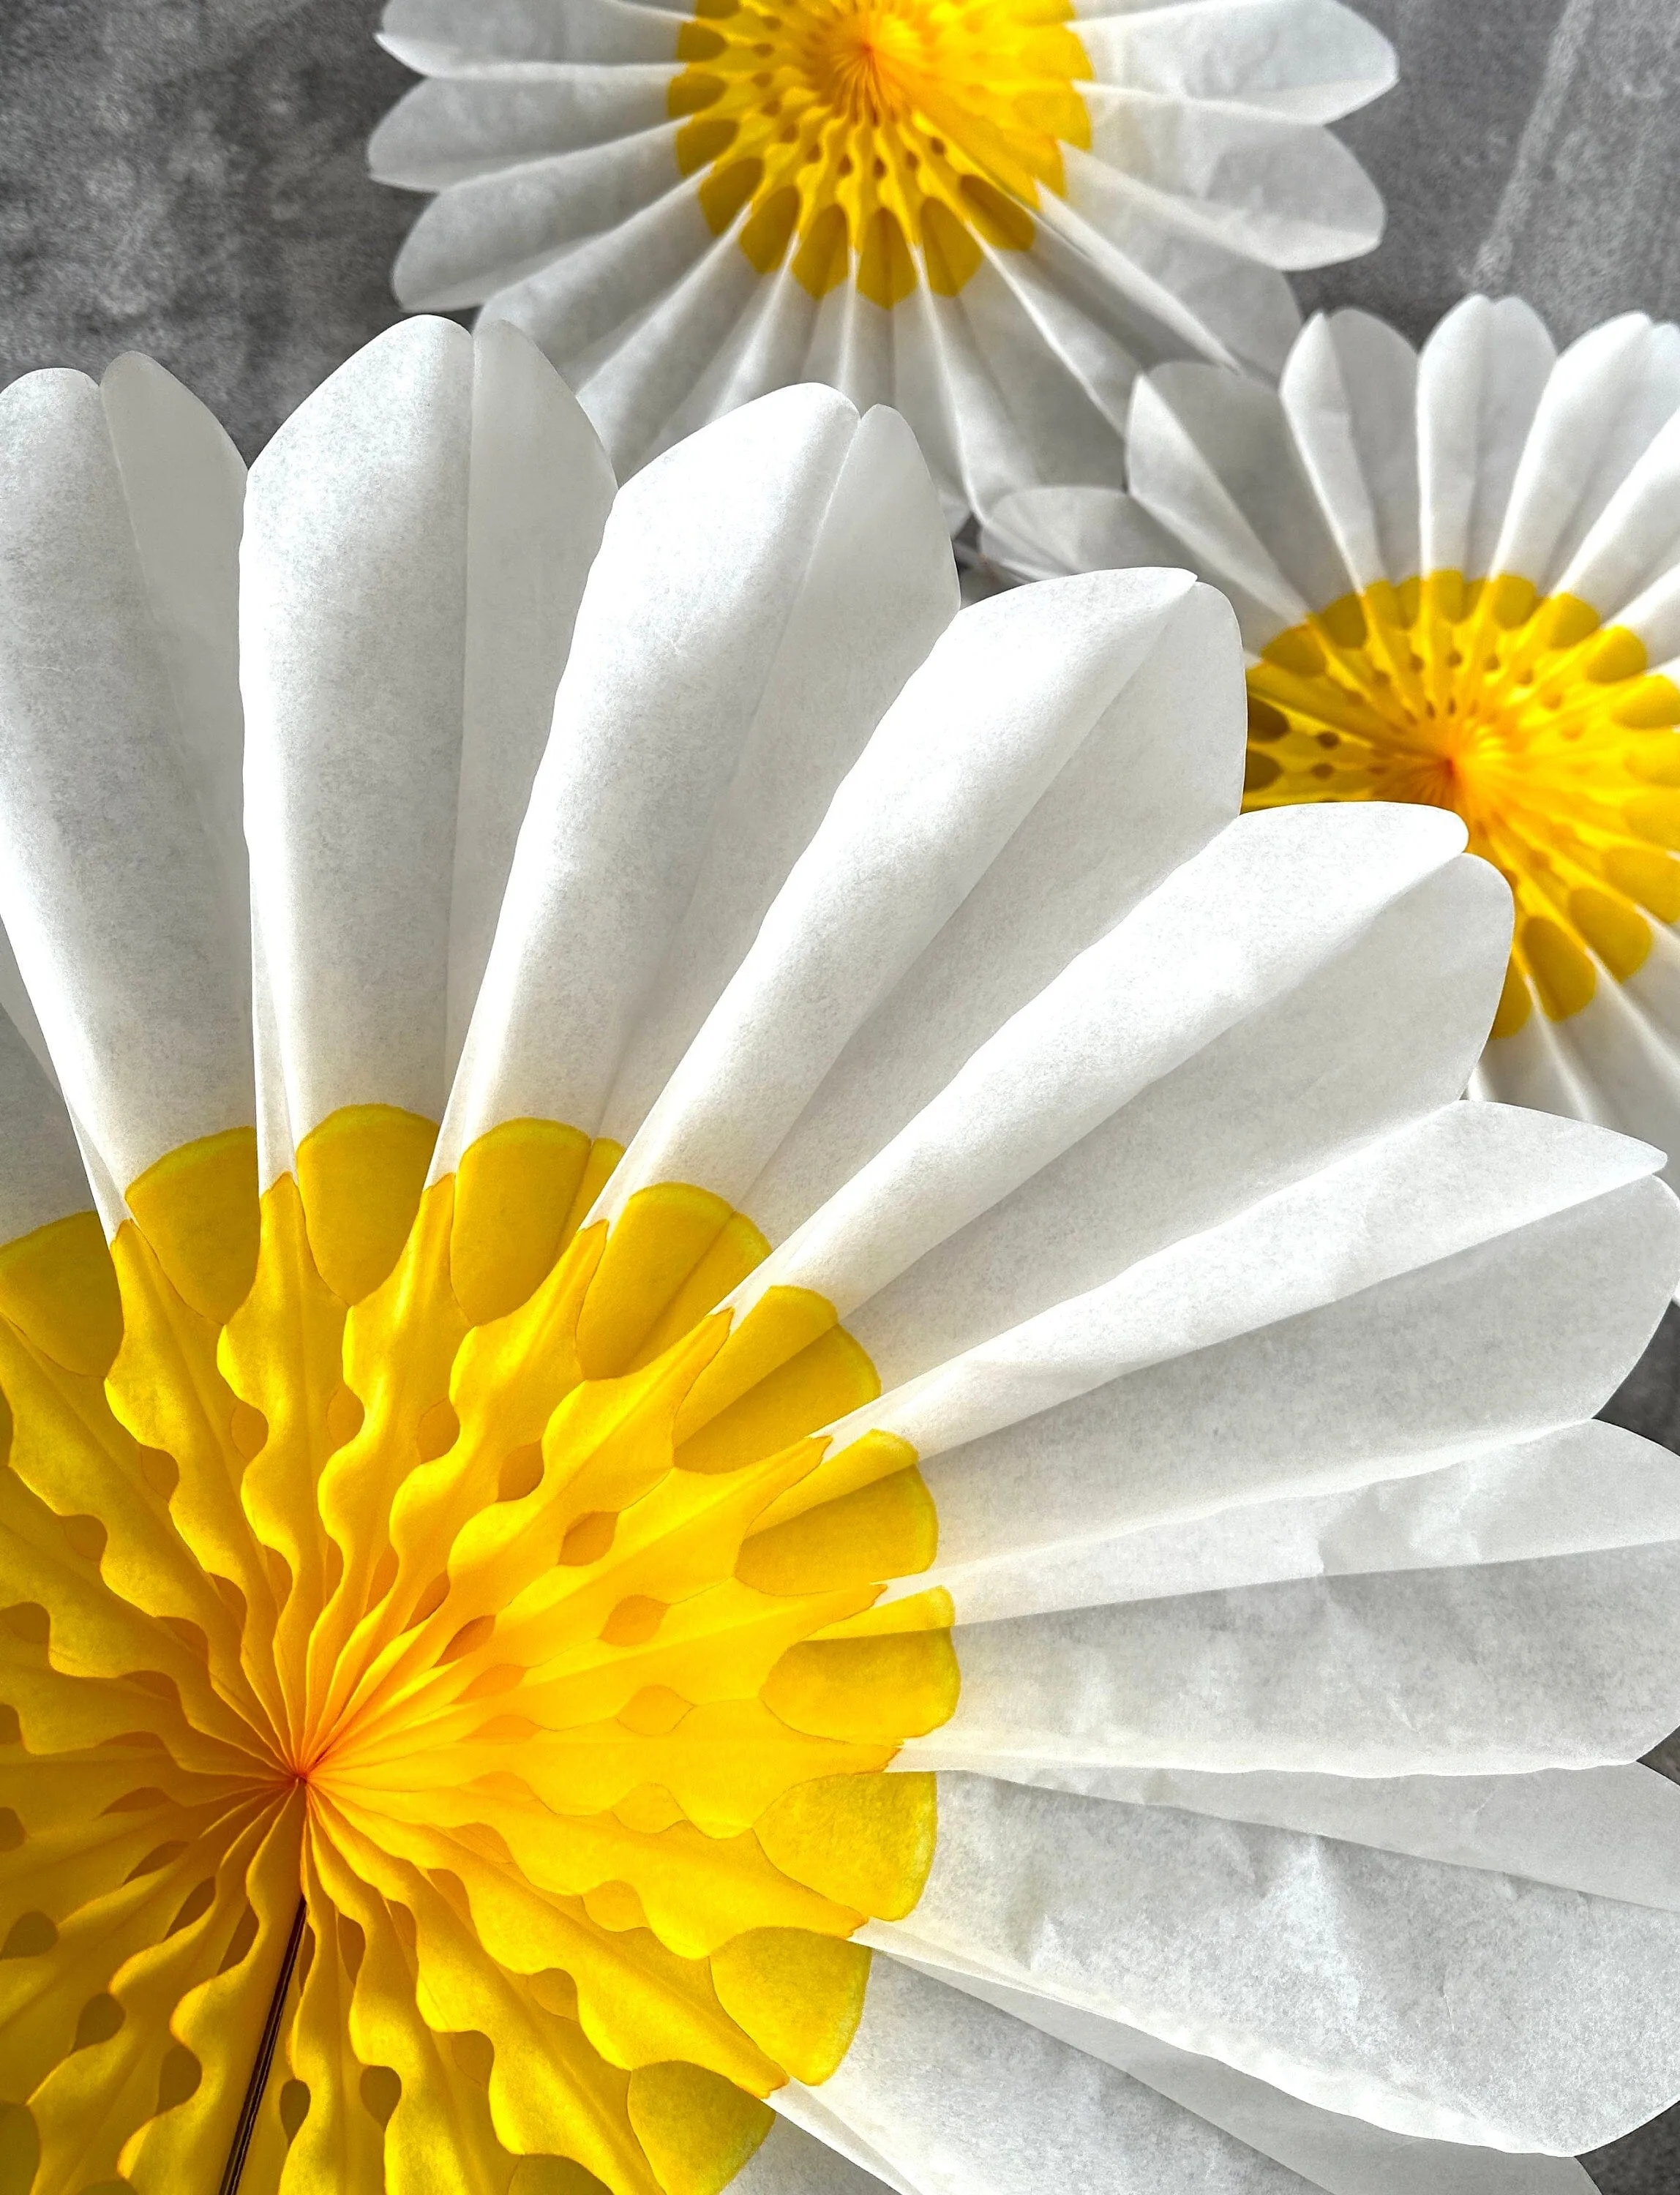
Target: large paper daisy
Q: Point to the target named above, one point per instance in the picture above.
(1459, 578)
(987, 212)
(954, 1494)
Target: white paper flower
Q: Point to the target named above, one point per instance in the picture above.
(1458, 579)
(956, 1493)
(989, 213)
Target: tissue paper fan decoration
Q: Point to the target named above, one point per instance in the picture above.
(990, 213)
(809, 1452)
(1458, 577)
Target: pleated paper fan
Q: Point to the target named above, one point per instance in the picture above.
(990, 213)
(785, 1435)
(1459, 578)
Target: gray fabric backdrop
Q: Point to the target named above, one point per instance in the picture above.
(186, 177)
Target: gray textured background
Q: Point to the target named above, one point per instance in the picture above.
(186, 177)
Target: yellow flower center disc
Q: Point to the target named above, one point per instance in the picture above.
(471, 1568)
(1546, 732)
(877, 132)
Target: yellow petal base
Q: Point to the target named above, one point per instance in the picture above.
(1544, 730)
(471, 1580)
(893, 137)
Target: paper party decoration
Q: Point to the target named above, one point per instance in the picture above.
(1459, 578)
(989, 213)
(768, 1423)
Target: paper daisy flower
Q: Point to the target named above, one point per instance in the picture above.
(1459, 578)
(799, 1443)
(989, 213)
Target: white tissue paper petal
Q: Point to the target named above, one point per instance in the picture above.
(1072, 1547)
(713, 547)
(403, 630)
(1472, 1995)
(1149, 785)
(948, 2094)
(1329, 2149)
(122, 884)
(969, 755)
(41, 1174)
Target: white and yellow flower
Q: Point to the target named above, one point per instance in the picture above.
(1458, 579)
(791, 1410)
(990, 213)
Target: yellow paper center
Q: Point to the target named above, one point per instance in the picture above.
(1544, 730)
(879, 135)
(509, 1613)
